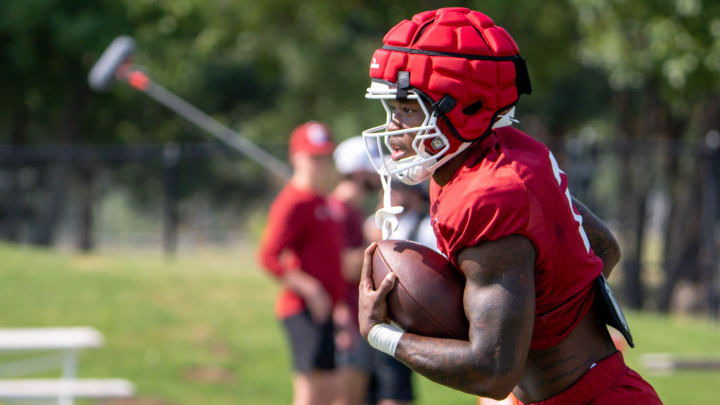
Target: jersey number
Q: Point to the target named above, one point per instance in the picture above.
(578, 218)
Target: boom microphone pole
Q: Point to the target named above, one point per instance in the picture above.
(114, 65)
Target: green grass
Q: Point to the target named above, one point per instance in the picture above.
(200, 328)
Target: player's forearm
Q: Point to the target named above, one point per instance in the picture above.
(270, 261)
(271, 252)
(602, 241)
(301, 282)
(352, 260)
(499, 304)
(456, 364)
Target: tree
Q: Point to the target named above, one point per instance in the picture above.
(662, 61)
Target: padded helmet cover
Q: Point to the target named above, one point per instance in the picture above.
(460, 53)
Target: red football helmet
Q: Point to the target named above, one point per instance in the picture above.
(466, 74)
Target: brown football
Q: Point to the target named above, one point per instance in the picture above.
(428, 296)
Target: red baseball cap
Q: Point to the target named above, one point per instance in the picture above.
(313, 138)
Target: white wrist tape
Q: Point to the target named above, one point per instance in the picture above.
(385, 337)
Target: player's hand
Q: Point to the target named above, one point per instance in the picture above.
(342, 315)
(372, 303)
(316, 299)
(345, 329)
(319, 305)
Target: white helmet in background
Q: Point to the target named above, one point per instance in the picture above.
(352, 156)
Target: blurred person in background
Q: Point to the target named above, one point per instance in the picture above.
(301, 247)
(366, 375)
(414, 225)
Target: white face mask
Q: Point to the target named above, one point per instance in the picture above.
(410, 170)
(419, 167)
(413, 169)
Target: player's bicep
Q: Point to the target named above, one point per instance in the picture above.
(499, 298)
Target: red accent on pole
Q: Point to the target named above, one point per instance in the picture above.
(138, 80)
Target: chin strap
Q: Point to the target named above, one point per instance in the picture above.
(386, 217)
(505, 120)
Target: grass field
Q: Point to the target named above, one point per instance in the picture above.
(199, 329)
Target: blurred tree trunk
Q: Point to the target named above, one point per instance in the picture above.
(83, 172)
(634, 286)
(670, 238)
(632, 201)
(171, 219)
(629, 225)
(48, 212)
(16, 200)
(682, 239)
(712, 225)
(710, 272)
(683, 230)
(70, 132)
(86, 176)
(714, 135)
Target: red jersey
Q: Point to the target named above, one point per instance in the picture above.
(301, 223)
(352, 221)
(511, 184)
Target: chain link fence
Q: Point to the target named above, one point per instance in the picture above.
(660, 197)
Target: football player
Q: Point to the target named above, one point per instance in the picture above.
(533, 258)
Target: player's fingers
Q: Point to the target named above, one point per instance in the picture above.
(387, 284)
(366, 276)
(320, 308)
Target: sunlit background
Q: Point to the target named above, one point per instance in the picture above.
(116, 213)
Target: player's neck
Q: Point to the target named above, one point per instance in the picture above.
(444, 173)
(347, 191)
(307, 182)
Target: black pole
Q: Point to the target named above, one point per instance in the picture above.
(171, 158)
(85, 241)
(710, 221)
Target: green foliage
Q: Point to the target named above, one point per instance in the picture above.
(268, 66)
(674, 45)
(261, 66)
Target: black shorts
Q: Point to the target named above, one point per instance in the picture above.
(390, 379)
(312, 344)
(358, 356)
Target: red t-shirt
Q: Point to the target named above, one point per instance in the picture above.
(511, 184)
(352, 221)
(300, 223)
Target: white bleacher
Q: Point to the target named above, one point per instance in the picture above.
(49, 338)
(38, 388)
(61, 347)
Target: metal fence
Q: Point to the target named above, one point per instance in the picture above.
(659, 196)
(59, 195)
